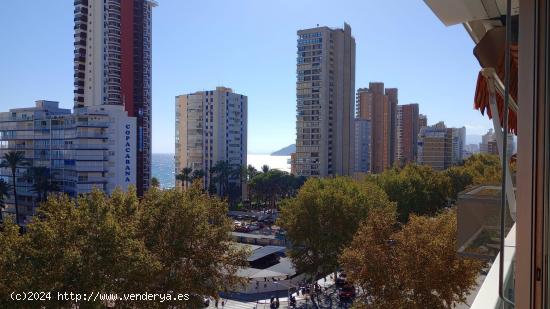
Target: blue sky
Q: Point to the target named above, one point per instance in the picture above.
(250, 46)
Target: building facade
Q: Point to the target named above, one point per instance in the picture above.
(435, 146)
(407, 129)
(93, 147)
(362, 145)
(211, 126)
(325, 89)
(112, 64)
(489, 143)
(422, 121)
(378, 105)
(459, 142)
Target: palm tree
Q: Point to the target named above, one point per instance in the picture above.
(184, 176)
(265, 168)
(41, 182)
(197, 175)
(12, 160)
(240, 173)
(222, 170)
(4, 192)
(251, 172)
(155, 182)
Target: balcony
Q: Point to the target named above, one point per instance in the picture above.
(488, 295)
(81, 2)
(478, 221)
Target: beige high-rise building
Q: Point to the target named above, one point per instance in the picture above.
(211, 126)
(435, 146)
(379, 105)
(325, 102)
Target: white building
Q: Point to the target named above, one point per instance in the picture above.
(112, 66)
(211, 126)
(94, 147)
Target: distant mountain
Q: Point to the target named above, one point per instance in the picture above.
(285, 151)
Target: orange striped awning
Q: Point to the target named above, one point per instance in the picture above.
(490, 53)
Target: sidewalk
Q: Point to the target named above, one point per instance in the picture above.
(264, 302)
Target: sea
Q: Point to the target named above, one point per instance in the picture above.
(164, 167)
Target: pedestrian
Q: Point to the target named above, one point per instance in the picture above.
(223, 303)
(216, 303)
(277, 303)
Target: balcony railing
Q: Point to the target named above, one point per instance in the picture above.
(488, 295)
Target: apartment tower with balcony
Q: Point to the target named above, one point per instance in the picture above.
(211, 126)
(325, 90)
(378, 105)
(90, 148)
(407, 129)
(112, 64)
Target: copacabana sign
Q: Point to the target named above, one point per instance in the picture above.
(128, 153)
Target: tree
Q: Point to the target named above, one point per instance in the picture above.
(460, 179)
(4, 192)
(413, 266)
(155, 183)
(184, 176)
(11, 256)
(265, 168)
(197, 174)
(13, 160)
(168, 241)
(484, 168)
(92, 247)
(322, 219)
(251, 172)
(415, 188)
(222, 171)
(42, 183)
(188, 232)
(270, 187)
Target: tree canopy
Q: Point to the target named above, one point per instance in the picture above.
(415, 266)
(322, 219)
(273, 185)
(168, 241)
(415, 188)
(484, 168)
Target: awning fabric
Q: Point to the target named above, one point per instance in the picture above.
(490, 53)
